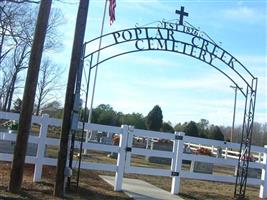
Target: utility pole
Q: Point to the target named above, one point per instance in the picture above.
(233, 123)
(16, 174)
(69, 99)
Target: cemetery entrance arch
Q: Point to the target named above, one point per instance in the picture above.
(188, 41)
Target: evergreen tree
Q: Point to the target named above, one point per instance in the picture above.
(135, 119)
(191, 129)
(215, 133)
(154, 119)
(203, 128)
(104, 114)
(180, 127)
(166, 127)
(17, 105)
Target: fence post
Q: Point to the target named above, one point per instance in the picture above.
(129, 146)
(263, 187)
(259, 157)
(226, 152)
(121, 158)
(178, 145)
(212, 149)
(86, 140)
(41, 149)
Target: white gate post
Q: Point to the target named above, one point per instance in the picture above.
(41, 149)
(263, 187)
(86, 140)
(121, 158)
(259, 157)
(129, 146)
(226, 152)
(178, 145)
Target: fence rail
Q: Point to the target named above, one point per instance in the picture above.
(126, 149)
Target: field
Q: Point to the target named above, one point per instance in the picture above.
(190, 189)
(93, 187)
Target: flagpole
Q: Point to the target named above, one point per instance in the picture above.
(96, 70)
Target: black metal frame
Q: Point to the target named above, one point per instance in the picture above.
(189, 30)
(245, 144)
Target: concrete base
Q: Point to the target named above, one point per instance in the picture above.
(141, 190)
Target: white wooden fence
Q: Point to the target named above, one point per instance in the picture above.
(126, 149)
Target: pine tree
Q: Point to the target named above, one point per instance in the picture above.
(154, 119)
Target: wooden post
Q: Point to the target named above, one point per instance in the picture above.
(177, 161)
(68, 106)
(263, 187)
(16, 174)
(121, 158)
(41, 149)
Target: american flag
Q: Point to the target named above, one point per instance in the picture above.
(112, 6)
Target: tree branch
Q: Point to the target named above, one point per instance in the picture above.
(20, 1)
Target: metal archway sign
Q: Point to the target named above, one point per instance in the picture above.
(186, 40)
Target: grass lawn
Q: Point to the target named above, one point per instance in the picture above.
(91, 186)
(190, 189)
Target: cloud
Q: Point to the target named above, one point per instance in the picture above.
(244, 14)
(254, 61)
(212, 82)
(142, 59)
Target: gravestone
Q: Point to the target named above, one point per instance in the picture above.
(201, 167)
(115, 141)
(252, 173)
(187, 150)
(161, 146)
(219, 152)
(8, 147)
(139, 143)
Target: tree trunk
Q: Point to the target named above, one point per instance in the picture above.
(75, 62)
(6, 99)
(38, 105)
(16, 174)
(11, 92)
(1, 44)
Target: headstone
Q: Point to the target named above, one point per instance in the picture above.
(8, 147)
(252, 173)
(139, 143)
(201, 167)
(115, 141)
(187, 150)
(219, 152)
(167, 146)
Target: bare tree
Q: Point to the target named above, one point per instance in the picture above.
(47, 83)
(8, 14)
(19, 1)
(21, 33)
(16, 66)
(4, 80)
(20, 36)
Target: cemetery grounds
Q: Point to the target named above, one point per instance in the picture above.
(91, 186)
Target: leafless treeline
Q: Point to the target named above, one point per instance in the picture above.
(17, 24)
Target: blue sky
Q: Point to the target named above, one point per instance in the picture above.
(185, 88)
